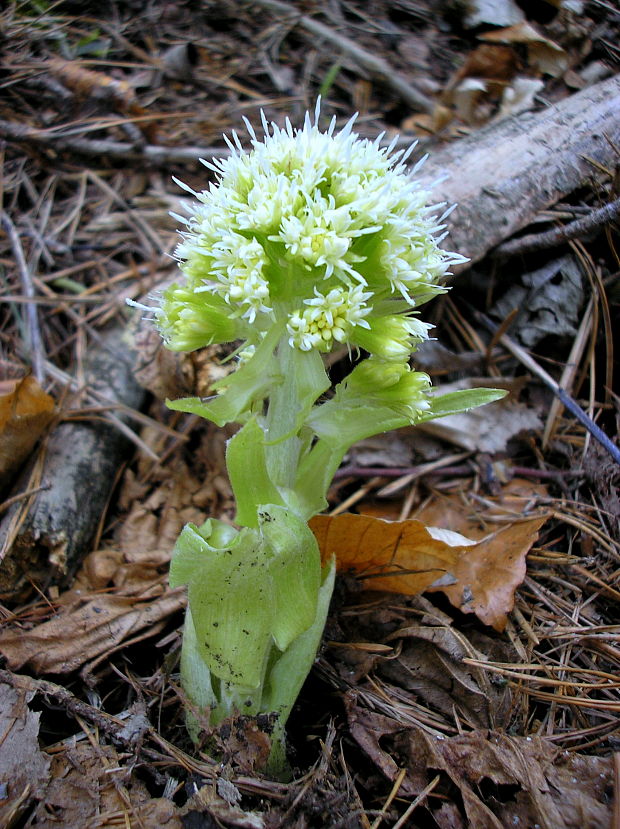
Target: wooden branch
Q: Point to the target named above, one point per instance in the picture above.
(595, 220)
(43, 538)
(500, 177)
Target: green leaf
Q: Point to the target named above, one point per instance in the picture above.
(194, 546)
(338, 429)
(249, 384)
(295, 568)
(247, 470)
(342, 425)
(461, 401)
(258, 590)
(195, 677)
(285, 679)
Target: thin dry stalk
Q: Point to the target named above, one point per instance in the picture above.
(36, 352)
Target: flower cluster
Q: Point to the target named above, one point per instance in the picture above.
(325, 232)
(328, 318)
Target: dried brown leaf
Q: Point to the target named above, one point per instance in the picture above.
(499, 780)
(88, 787)
(399, 556)
(491, 62)
(513, 781)
(409, 557)
(25, 411)
(488, 573)
(75, 636)
(23, 767)
(89, 624)
(430, 665)
(368, 728)
(543, 54)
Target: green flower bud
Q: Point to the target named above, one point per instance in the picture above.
(188, 320)
(391, 337)
(388, 383)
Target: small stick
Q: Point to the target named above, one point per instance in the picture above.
(374, 64)
(570, 371)
(72, 705)
(402, 821)
(568, 402)
(397, 784)
(25, 494)
(117, 150)
(551, 238)
(34, 332)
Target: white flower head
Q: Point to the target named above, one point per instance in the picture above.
(319, 230)
(328, 318)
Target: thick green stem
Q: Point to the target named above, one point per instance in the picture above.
(281, 421)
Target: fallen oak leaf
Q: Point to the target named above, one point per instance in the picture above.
(397, 556)
(490, 572)
(408, 557)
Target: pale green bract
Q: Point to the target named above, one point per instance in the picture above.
(307, 242)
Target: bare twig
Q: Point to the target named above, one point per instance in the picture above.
(72, 705)
(34, 331)
(21, 495)
(116, 150)
(377, 66)
(574, 230)
(570, 370)
(402, 821)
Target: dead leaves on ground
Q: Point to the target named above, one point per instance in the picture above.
(122, 597)
(76, 784)
(487, 779)
(88, 786)
(428, 664)
(23, 767)
(92, 621)
(409, 557)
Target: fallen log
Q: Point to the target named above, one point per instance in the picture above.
(501, 176)
(43, 538)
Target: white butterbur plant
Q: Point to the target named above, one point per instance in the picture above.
(307, 242)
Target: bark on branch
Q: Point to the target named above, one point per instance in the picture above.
(503, 175)
(43, 538)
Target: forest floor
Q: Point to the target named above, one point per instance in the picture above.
(490, 702)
